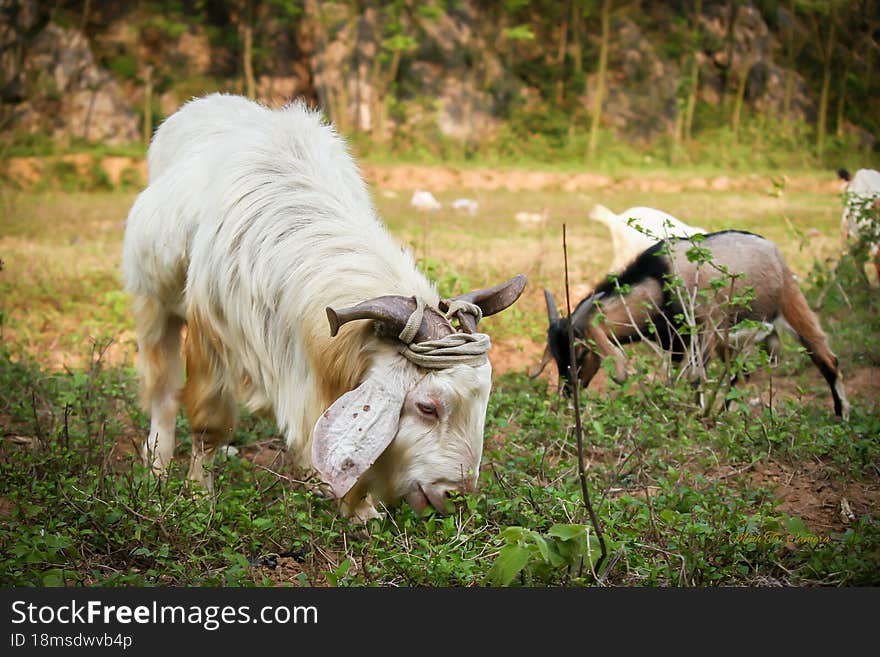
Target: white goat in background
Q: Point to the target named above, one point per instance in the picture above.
(860, 220)
(424, 200)
(628, 241)
(255, 231)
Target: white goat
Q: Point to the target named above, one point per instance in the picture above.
(468, 205)
(860, 220)
(628, 241)
(424, 200)
(532, 218)
(255, 223)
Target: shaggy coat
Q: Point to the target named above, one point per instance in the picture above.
(256, 221)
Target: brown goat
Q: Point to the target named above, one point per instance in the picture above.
(640, 303)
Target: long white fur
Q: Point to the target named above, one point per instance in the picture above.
(254, 221)
(863, 186)
(628, 242)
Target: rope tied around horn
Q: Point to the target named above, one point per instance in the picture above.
(454, 349)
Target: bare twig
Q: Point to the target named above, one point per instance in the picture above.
(611, 563)
(37, 427)
(682, 575)
(578, 428)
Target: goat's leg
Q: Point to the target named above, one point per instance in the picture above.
(766, 337)
(161, 374)
(209, 404)
(804, 323)
(724, 353)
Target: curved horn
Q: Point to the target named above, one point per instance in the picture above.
(579, 316)
(393, 311)
(552, 312)
(491, 300)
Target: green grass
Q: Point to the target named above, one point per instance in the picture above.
(78, 508)
(748, 497)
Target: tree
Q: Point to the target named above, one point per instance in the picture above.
(860, 22)
(391, 47)
(599, 95)
(243, 13)
(333, 98)
(729, 40)
(695, 73)
(577, 49)
(823, 17)
(562, 41)
(794, 37)
(739, 99)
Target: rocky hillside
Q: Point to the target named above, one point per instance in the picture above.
(403, 74)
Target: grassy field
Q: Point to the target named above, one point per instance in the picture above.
(776, 491)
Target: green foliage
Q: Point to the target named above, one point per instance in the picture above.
(562, 553)
(519, 33)
(131, 179)
(521, 39)
(124, 66)
(80, 509)
(447, 279)
(840, 289)
(167, 24)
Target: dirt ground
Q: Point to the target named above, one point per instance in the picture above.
(26, 171)
(807, 491)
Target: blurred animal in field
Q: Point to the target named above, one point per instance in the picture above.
(424, 200)
(468, 205)
(637, 228)
(860, 220)
(532, 218)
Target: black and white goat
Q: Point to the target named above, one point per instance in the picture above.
(640, 303)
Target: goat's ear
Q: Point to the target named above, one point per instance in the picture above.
(582, 311)
(552, 311)
(354, 431)
(546, 358)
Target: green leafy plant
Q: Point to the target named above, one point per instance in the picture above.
(563, 552)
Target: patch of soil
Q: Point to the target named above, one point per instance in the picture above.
(517, 355)
(441, 178)
(810, 491)
(864, 382)
(862, 386)
(285, 572)
(27, 171)
(267, 454)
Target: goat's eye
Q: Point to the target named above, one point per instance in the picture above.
(426, 409)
